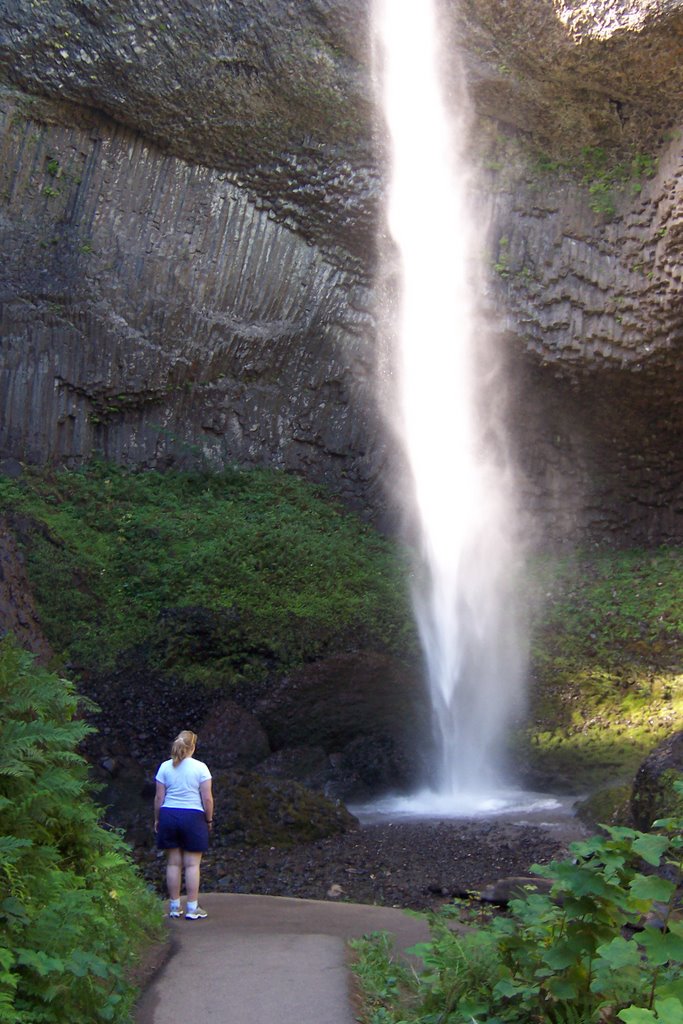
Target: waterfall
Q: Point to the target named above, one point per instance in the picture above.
(447, 403)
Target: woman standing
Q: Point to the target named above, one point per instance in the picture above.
(183, 815)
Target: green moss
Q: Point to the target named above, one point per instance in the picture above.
(287, 572)
(258, 811)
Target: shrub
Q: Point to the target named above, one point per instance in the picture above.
(73, 912)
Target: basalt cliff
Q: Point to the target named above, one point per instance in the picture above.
(191, 213)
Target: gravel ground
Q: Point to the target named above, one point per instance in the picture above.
(406, 864)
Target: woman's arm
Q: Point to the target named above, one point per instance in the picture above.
(159, 797)
(207, 800)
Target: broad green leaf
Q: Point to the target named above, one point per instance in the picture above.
(652, 887)
(505, 987)
(561, 988)
(620, 953)
(651, 848)
(637, 1015)
(662, 946)
(673, 987)
(563, 954)
(669, 1011)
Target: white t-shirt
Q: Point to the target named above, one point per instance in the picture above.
(182, 783)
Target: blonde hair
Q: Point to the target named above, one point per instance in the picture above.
(183, 746)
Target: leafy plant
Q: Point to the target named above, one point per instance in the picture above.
(502, 264)
(73, 912)
(587, 952)
(606, 177)
(52, 167)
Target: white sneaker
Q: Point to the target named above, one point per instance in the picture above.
(195, 915)
(175, 912)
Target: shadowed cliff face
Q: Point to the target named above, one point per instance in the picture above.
(153, 313)
(190, 203)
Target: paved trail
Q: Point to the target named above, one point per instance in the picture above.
(266, 960)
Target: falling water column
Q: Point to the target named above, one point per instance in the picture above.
(448, 415)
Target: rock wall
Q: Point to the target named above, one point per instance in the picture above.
(155, 314)
(190, 203)
(593, 303)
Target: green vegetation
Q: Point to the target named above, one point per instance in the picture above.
(289, 573)
(502, 264)
(607, 681)
(569, 957)
(602, 173)
(270, 572)
(53, 167)
(606, 177)
(73, 912)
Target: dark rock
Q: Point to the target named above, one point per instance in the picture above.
(366, 706)
(11, 468)
(653, 794)
(506, 889)
(310, 766)
(256, 810)
(231, 737)
(135, 698)
(388, 864)
(610, 805)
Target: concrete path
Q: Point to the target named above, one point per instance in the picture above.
(266, 960)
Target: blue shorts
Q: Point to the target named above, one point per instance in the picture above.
(181, 828)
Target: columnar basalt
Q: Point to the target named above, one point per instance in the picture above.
(190, 205)
(153, 313)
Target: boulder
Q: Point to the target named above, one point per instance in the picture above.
(653, 795)
(257, 811)
(231, 737)
(516, 887)
(366, 709)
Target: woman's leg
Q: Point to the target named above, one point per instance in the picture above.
(191, 863)
(174, 863)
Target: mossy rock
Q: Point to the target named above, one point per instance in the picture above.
(610, 805)
(256, 811)
(653, 794)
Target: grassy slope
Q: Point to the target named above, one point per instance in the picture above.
(302, 576)
(306, 578)
(607, 661)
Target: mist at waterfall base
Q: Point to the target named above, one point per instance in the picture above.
(446, 407)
